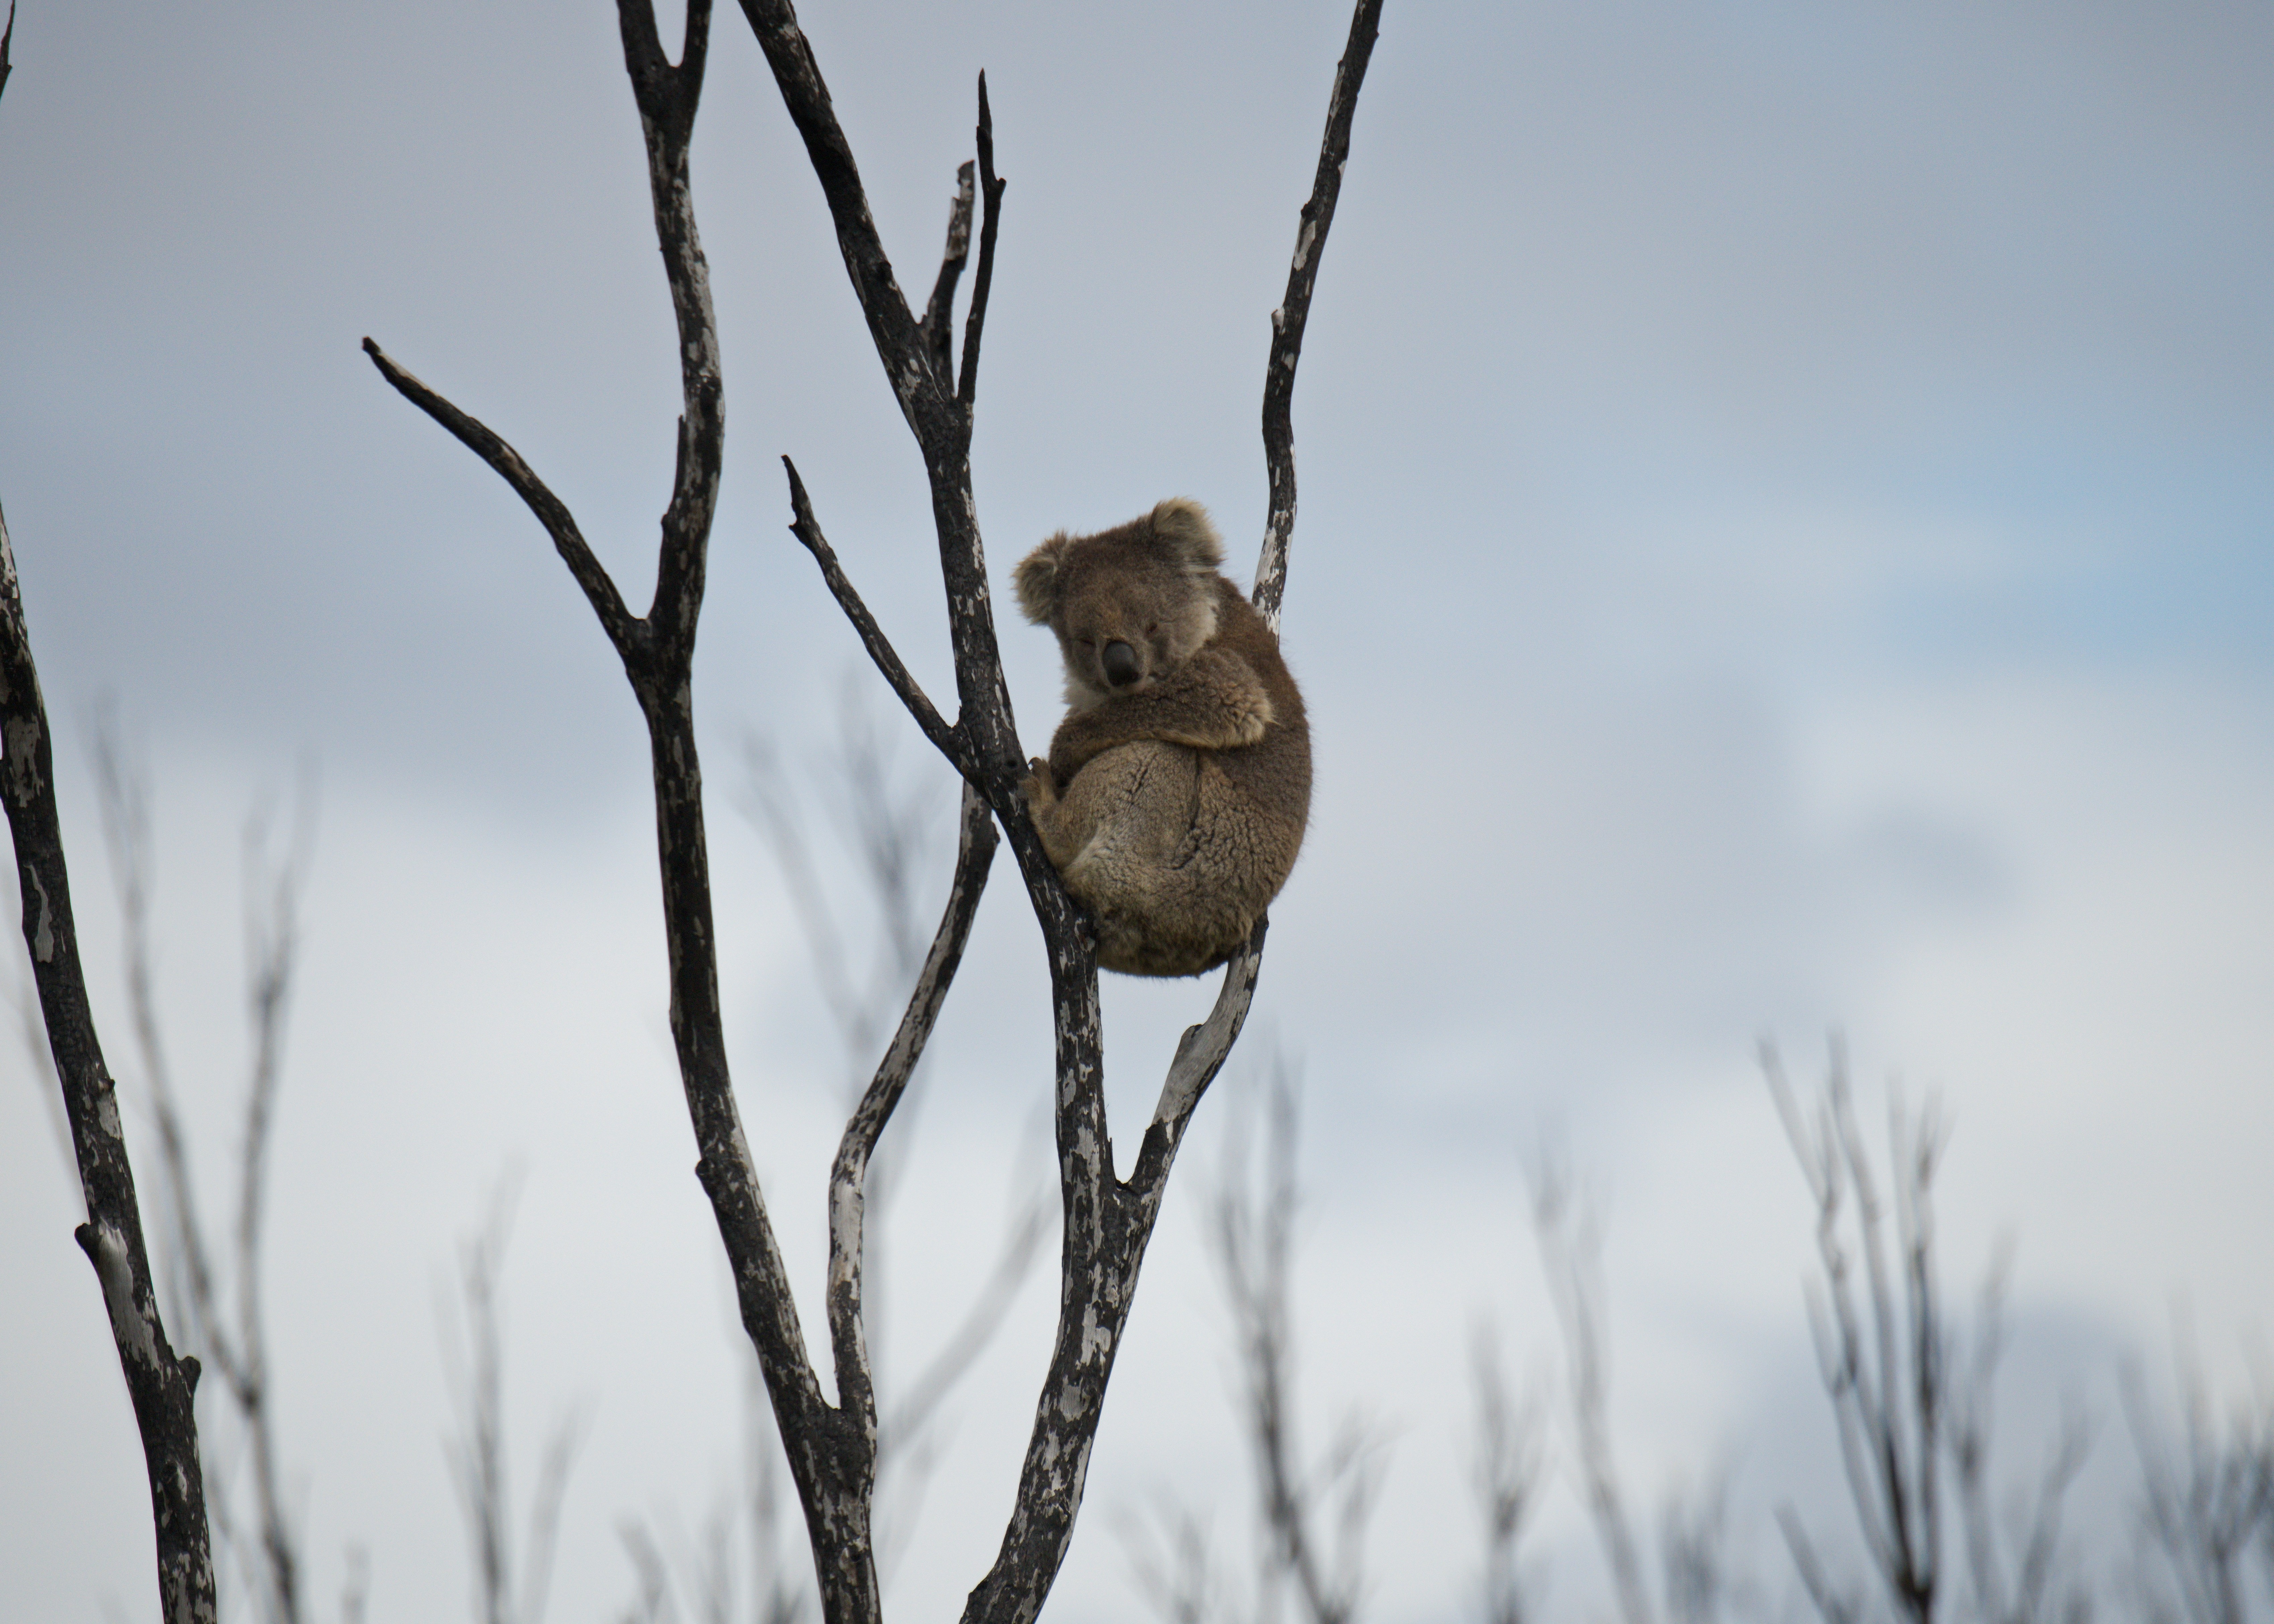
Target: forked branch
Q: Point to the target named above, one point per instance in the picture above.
(831, 1449)
(1107, 1222)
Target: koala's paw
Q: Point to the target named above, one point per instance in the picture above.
(1039, 787)
(1251, 722)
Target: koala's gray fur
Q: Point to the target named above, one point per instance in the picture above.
(1176, 788)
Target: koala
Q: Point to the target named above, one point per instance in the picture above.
(1176, 789)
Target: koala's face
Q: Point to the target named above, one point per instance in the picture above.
(1129, 606)
(1126, 622)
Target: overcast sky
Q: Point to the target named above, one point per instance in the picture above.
(1786, 544)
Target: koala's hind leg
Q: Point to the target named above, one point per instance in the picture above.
(1146, 841)
(1124, 813)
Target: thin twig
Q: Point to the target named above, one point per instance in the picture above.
(1294, 312)
(1507, 1468)
(939, 314)
(615, 619)
(808, 531)
(1255, 1245)
(983, 281)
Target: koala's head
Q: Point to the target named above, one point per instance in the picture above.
(1129, 605)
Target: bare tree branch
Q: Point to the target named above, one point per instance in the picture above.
(478, 1456)
(161, 1387)
(939, 314)
(1886, 1383)
(2202, 1511)
(808, 531)
(832, 1454)
(236, 1352)
(1107, 1223)
(1294, 312)
(983, 281)
(607, 603)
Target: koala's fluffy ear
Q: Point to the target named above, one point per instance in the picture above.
(1182, 528)
(1035, 580)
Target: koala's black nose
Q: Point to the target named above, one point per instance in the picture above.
(1121, 667)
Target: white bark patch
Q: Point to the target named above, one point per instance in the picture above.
(44, 936)
(1304, 239)
(185, 1610)
(106, 1112)
(128, 1324)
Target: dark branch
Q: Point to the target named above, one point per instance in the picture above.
(983, 280)
(161, 1387)
(623, 630)
(808, 529)
(924, 398)
(7, 37)
(831, 1458)
(939, 315)
(1294, 311)
(941, 421)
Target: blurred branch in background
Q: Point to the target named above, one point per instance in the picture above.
(2207, 1504)
(1572, 1256)
(1911, 1400)
(1254, 1210)
(473, 1347)
(1509, 1462)
(1886, 1375)
(1310, 1519)
(219, 1306)
(2031, 1585)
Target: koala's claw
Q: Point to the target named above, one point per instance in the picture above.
(1040, 786)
